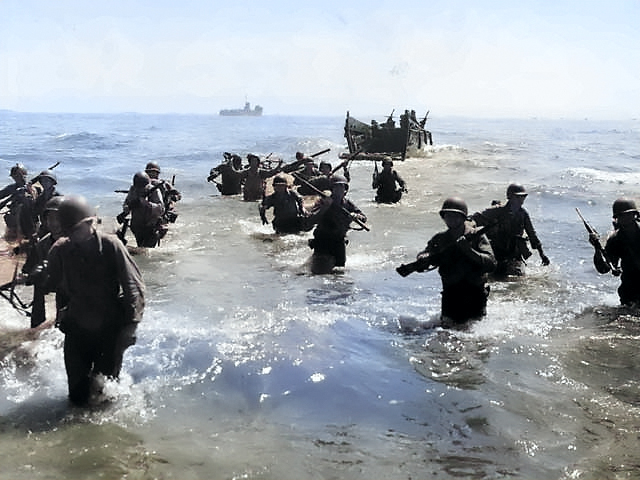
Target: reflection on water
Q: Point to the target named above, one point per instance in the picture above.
(452, 360)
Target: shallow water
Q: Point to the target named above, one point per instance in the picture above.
(247, 366)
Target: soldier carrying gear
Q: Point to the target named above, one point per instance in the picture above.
(45, 192)
(145, 203)
(99, 299)
(289, 215)
(463, 257)
(622, 248)
(389, 184)
(333, 215)
(19, 197)
(510, 232)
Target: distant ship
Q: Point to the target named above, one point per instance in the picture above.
(243, 112)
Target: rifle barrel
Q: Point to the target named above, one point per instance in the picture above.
(317, 154)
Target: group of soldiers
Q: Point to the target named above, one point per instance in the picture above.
(100, 293)
(493, 243)
(330, 215)
(99, 290)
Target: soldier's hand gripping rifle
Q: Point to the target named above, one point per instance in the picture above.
(594, 239)
(429, 261)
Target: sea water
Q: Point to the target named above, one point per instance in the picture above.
(248, 366)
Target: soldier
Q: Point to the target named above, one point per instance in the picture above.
(389, 184)
(322, 181)
(463, 258)
(146, 206)
(231, 173)
(170, 195)
(19, 197)
(47, 181)
(307, 173)
(99, 296)
(288, 210)
(509, 230)
(254, 179)
(623, 245)
(333, 215)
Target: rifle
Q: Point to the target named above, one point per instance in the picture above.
(424, 120)
(375, 174)
(321, 193)
(11, 295)
(390, 118)
(346, 162)
(594, 239)
(122, 231)
(317, 154)
(426, 263)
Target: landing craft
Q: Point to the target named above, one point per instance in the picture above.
(379, 140)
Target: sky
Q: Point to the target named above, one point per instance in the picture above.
(479, 58)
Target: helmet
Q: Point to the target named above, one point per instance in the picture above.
(387, 161)
(454, 204)
(623, 205)
(251, 157)
(279, 180)
(152, 167)
(53, 204)
(48, 174)
(299, 155)
(516, 189)
(325, 164)
(18, 169)
(72, 210)
(141, 180)
(338, 179)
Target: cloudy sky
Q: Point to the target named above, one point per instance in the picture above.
(322, 57)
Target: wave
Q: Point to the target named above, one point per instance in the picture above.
(91, 141)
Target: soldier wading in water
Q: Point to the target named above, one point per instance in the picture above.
(622, 246)
(509, 228)
(99, 299)
(333, 215)
(463, 256)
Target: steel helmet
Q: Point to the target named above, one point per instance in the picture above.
(48, 174)
(72, 210)
(325, 164)
(387, 161)
(516, 189)
(337, 179)
(454, 204)
(18, 169)
(279, 180)
(53, 204)
(141, 180)
(152, 167)
(623, 205)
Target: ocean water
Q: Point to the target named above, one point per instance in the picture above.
(247, 366)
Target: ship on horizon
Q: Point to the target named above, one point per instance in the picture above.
(242, 112)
